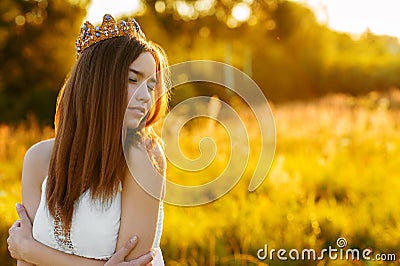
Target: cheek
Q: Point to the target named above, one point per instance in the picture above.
(130, 93)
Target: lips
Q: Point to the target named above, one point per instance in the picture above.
(138, 110)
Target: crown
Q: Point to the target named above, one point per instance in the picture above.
(108, 29)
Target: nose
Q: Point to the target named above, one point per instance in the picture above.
(143, 94)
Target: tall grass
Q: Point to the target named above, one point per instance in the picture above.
(335, 174)
(14, 141)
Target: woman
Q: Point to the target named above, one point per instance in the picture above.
(77, 188)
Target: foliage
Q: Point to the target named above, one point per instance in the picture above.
(280, 45)
(335, 168)
(14, 142)
(335, 174)
(290, 55)
(37, 50)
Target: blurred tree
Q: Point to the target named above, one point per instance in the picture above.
(291, 56)
(37, 49)
(279, 43)
(231, 12)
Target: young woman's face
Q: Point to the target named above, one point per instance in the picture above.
(141, 83)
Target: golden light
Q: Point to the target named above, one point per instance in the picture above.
(252, 20)
(185, 10)
(20, 20)
(232, 22)
(204, 32)
(241, 12)
(356, 16)
(204, 5)
(160, 6)
(270, 24)
(98, 8)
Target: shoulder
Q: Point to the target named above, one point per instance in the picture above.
(36, 161)
(40, 150)
(147, 174)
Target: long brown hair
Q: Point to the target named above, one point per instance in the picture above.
(88, 151)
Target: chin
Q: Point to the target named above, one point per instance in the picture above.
(132, 123)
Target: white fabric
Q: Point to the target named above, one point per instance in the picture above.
(94, 229)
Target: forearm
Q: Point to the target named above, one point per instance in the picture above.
(42, 255)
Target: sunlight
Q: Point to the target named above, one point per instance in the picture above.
(356, 16)
(185, 10)
(241, 12)
(160, 6)
(352, 16)
(116, 8)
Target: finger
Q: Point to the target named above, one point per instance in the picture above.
(126, 249)
(145, 259)
(15, 225)
(23, 215)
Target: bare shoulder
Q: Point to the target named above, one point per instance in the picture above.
(37, 158)
(34, 171)
(41, 149)
(36, 163)
(145, 172)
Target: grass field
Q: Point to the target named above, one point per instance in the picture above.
(335, 174)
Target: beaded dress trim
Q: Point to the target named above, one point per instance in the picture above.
(63, 241)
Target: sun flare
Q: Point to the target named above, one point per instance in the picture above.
(356, 16)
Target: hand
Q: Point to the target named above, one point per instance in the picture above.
(20, 237)
(118, 259)
(20, 234)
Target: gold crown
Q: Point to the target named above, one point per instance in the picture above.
(108, 29)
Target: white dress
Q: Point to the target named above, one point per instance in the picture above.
(94, 228)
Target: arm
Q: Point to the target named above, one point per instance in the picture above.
(35, 169)
(43, 255)
(39, 254)
(20, 235)
(139, 212)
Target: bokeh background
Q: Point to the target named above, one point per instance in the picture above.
(334, 96)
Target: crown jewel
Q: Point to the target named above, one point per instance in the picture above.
(109, 28)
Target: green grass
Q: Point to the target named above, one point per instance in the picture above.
(335, 174)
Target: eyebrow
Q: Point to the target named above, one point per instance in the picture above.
(137, 72)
